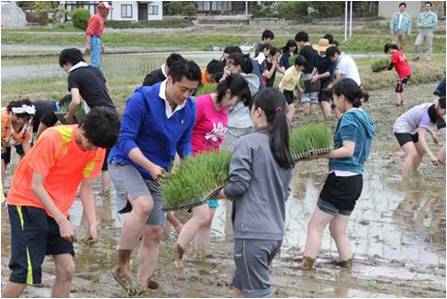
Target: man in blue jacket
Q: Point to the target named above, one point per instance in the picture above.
(157, 123)
(426, 24)
(400, 26)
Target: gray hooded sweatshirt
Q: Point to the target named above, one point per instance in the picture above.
(258, 187)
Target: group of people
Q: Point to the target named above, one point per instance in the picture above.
(161, 125)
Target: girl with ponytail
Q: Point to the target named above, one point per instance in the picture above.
(207, 135)
(352, 143)
(260, 174)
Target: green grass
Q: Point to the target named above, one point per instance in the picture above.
(311, 139)
(195, 178)
(207, 89)
(201, 40)
(379, 65)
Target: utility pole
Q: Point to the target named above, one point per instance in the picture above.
(346, 20)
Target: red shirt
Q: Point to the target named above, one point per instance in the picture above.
(95, 25)
(401, 64)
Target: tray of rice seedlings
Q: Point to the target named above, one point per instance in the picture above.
(196, 180)
(310, 140)
(380, 65)
(206, 89)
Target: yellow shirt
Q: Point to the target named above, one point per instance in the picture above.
(290, 79)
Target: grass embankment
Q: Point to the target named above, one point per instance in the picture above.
(200, 39)
(125, 75)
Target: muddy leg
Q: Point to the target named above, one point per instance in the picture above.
(338, 228)
(318, 221)
(410, 158)
(13, 290)
(178, 226)
(203, 235)
(149, 252)
(65, 268)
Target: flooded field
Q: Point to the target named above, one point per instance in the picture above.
(397, 233)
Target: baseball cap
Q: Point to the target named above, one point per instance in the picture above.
(104, 5)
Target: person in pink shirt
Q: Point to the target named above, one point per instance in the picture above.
(95, 29)
(211, 125)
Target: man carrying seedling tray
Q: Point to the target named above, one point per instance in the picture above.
(157, 123)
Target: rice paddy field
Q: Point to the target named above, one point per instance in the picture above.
(397, 230)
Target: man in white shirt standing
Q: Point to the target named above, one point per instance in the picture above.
(400, 26)
(345, 65)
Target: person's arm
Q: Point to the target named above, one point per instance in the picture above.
(92, 24)
(240, 172)
(88, 45)
(88, 206)
(390, 66)
(40, 129)
(38, 189)
(410, 24)
(26, 147)
(433, 135)
(419, 22)
(269, 73)
(345, 151)
(434, 22)
(424, 145)
(392, 24)
(184, 147)
(317, 76)
(74, 105)
(130, 126)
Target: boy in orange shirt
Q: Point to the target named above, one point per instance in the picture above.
(43, 189)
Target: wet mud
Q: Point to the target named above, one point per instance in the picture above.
(397, 233)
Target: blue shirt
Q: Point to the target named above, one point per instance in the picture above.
(146, 124)
(356, 126)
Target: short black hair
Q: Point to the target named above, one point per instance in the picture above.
(441, 102)
(215, 67)
(300, 61)
(264, 46)
(101, 127)
(273, 51)
(243, 61)
(70, 55)
(330, 52)
(390, 46)
(302, 37)
(232, 49)
(403, 3)
(186, 68)
(174, 57)
(329, 37)
(428, 2)
(267, 34)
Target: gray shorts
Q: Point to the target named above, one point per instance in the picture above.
(252, 259)
(130, 184)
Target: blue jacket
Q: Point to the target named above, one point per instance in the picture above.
(146, 126)
(355, 125)
(428, 17)
(405, 26)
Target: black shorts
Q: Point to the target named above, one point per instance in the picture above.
(34, 234)
(401, 84)
(404, 138)
(6, 155)
(105, 165)
(440, 123)
(288, 94)
(342, 192)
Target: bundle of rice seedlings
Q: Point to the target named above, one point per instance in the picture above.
(195, 180)
(310, 140)
(380, 65)
(206, 89)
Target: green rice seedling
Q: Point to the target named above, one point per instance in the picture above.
(206, 89)
(196, 176)
(310, 140)
(380, 65)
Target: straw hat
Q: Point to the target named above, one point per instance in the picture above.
(322, 45)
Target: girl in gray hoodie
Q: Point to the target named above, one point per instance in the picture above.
(260, 174)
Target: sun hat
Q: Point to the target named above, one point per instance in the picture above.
(104, 5)
(322, 45)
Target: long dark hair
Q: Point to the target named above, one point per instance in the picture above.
(273, 103)
(242, 60)
(290, 43)
(352, 92)
(238, 87)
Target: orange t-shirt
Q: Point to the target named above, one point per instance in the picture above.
(64, 165)
(205, 77)
(11, 137)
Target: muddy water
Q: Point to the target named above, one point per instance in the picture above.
(397, 233)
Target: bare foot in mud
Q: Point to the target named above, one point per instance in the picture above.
(129, 285)
(342, 264)
(178, 256)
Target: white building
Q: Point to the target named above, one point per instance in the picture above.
(121, 10)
